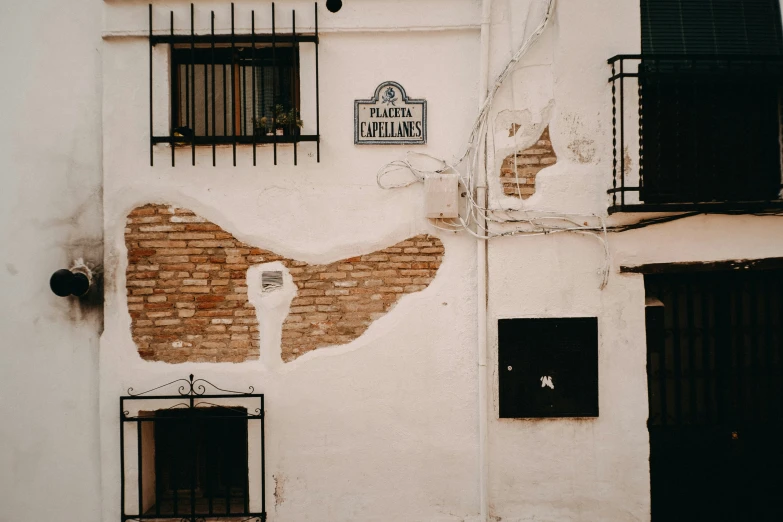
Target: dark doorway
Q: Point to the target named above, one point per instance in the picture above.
(715, 385)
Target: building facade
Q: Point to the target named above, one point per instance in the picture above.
(599, 301)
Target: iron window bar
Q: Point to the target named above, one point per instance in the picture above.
(682, 124)
(210, 47)
(191, 398)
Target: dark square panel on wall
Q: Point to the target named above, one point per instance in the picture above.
(548, 367)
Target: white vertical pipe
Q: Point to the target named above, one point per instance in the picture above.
(481, 276)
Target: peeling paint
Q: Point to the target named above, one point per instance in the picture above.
(519, 170)
(279, 489)
(627, 162)
(582, 150)
(187, 280)
(581, 147)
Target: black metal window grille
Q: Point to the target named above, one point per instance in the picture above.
(715, 389)
(190, 459)
(234, 89)
(702, 107)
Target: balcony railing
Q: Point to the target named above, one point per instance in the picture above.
(696, 133)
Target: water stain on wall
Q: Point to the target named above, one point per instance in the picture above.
(582, 148)
(279, 489)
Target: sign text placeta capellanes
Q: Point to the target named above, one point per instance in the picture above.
(390, 118)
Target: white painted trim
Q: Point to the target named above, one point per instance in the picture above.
(334, 30)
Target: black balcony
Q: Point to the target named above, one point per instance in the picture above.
(700, 132)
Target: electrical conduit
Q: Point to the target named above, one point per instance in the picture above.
(481, 279)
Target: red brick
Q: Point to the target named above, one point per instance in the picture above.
(198, 273)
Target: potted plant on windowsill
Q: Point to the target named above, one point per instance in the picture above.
(284, 123)
(262, 126)
(287, 122)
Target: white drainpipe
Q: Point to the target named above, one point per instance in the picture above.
(481, 278)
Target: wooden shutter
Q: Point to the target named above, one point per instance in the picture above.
(711, 27)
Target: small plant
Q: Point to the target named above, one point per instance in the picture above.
(262, 125)
(284, 122)
(287, 120)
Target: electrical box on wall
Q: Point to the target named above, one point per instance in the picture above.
(548, 367)
(441, 196)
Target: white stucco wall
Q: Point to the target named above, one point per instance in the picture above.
(382, 428)
(386, 427)
(584, 469)
(50, 216)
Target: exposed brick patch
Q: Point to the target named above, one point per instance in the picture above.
(336, 303)
(187, 293)
(529, 163)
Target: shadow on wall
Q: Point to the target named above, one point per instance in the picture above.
(188, 296)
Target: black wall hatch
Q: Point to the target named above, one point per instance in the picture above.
(548, 367)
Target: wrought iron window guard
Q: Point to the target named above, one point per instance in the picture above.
(186, 405)
(708, 130)
(273, 44)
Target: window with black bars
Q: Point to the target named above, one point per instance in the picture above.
(192, 453)
(234, 89)
(702, 106)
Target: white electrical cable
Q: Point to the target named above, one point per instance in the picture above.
(541, 223)
(478, 131)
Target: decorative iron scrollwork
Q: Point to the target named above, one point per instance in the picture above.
(191, 387)
(204, 407)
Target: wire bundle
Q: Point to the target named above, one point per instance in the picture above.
(476, 218)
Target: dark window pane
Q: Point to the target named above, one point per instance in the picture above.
(235, 113)
(711, 27)
(204, 450)
(711, 131)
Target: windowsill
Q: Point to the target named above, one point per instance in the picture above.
(239, 140)
(743, 207)
(204, 507)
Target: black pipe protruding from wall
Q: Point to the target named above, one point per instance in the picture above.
(66, 282)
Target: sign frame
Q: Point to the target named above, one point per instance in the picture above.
(374, 100)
